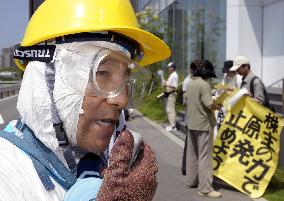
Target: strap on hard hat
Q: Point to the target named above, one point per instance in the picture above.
(130, 45)
(45, 52)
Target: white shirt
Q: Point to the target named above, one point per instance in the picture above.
(173, 80)
(232, 82)
(185, 83)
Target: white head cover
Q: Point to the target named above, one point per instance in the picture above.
(34, 102)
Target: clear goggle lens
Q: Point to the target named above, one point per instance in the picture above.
(110, 73)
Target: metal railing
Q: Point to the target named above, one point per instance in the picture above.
(9, 90)
(271, 85)
(282, 93)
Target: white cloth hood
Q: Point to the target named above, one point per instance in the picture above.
(35, 105)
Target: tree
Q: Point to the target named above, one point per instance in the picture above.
(205, 28)
(149, 20)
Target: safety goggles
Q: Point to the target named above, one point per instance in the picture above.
(109, 72)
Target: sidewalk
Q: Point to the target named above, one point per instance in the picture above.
(168, 148)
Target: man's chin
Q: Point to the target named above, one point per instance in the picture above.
(101, 146)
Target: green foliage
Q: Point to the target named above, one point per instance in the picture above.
(205, 35)
(275, 190)
(153, 107)
(149, 20)
(11, 69)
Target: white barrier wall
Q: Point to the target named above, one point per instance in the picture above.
(244, 32)
(273, 43)
(255, 29)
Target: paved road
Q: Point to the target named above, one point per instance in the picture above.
(169, 149)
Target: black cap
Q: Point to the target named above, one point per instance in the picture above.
(227, 65)
(207, 70)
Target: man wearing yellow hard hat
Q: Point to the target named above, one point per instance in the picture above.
(85, 64)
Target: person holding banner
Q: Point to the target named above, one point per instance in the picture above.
(250, 81)
(200, 123)
(230, 82)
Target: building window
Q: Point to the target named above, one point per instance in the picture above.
(195, 30)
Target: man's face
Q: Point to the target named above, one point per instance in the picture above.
(243, 70)
(97, 123)
(170, 69)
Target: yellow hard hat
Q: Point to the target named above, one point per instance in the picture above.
(55, 18)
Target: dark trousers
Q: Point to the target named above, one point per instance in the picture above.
(183, 165)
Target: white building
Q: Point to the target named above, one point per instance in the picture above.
(1, 62)
(7, 59)
(253, 28)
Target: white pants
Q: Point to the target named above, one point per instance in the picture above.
(171, 108)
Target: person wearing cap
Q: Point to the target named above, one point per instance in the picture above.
(200, 124)
(231, 81)
(171, 95)
(250, 81)
(84, 59)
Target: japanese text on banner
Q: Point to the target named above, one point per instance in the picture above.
(247, 146)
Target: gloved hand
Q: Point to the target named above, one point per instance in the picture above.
(124, 183)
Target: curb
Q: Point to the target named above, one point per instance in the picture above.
(168, 134)
(259, 199)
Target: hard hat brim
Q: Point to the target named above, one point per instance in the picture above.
(154, 49)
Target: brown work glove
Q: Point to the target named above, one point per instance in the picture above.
(124, 183)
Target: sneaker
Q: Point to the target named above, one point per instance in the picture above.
(211, 194)
(171, 128)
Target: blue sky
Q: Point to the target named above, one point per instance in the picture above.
(14, 16)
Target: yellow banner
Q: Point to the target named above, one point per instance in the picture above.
(247, 146)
